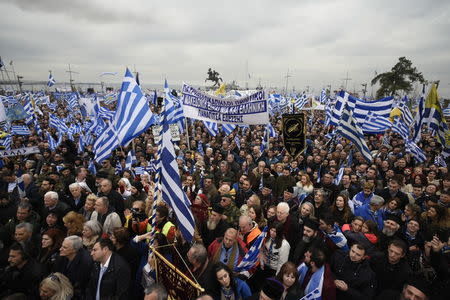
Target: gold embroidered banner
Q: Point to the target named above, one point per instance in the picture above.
(178, 285)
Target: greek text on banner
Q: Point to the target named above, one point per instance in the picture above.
(250, 109)
(19, 151)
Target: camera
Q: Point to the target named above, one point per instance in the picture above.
(137, 215)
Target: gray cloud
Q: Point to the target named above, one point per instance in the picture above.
(318, 41)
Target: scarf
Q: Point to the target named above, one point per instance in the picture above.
(231, 258)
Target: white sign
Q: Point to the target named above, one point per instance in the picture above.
(174, 132)
(251, 109)
(19, 151)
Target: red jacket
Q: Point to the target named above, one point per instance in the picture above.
(217, 244)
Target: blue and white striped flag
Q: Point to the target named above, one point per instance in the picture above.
(211, 127)
(411, 147)
(81, 144)
(339, 175)
(313, 290)
(375, 124)
(419, 118)
(72, 101)
(237, 141)
(337, 237)
(105, 113)
(400, 127)
(301, 101)
(21, 187)
(200, 148)
(323, 97)
(131, 160)
(440, 161)
(433, 116)
(360, 108)
(251, 257)
(272, 132)
(406, 114)
(7, 142)
(92, 168)
(172, 192)
(132, 117)
(228, 128)
(51, 142)
(348, 129)
(20, 130)
(58, 124)
(173, 108)
(51, 80)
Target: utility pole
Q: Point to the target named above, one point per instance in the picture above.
(20, 82)
(364, 90)
(246, 74)
(72, 86)
(287, 79)
(346, 79)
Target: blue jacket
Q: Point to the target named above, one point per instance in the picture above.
(365, 212)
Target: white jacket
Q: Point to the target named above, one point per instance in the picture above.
(112, 221)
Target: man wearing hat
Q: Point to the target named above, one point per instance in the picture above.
(416, 288)
(266, 195)
(272, 289)
(370, 211)
(312, 238)
(215, 226)
(230, 211)
(392, 269)
(390, 231)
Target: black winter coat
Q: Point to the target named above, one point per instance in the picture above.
(359, 277)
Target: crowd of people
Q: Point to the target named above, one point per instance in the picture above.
(381, 231)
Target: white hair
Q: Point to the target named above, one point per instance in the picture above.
(53, 195)
(283, 207)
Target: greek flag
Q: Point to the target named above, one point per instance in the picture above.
(337, 237)
(339, 175)
(20, 130)
(200, 148)
(51, 81)
(350, 159)
(105, 113)
(173, 108)
(131, 160)
(411, 147)
(314, 287)
(92, 168)
(323, 97)
(251, 257)
(347, 128)
(359, 107)
(58, 124)
(228, 128)
(211, 127)
(7, 142)
(21, 187)
(406, 113)
(172, 193)
(440, 161)
(375, 124)
(433, 115)
(28, 107)
(237, 141)
(81, 144)
(301, 101)
(272, 132)
(139, 170)
(51, 142)
(132, 117)
(400, 127)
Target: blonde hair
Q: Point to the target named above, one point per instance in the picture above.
(91, 197)
(76, 220)
(60, 284)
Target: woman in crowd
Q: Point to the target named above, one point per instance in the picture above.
(56, 287)
(271, 212)
(51, 242)
(305, 185)
(320, 205)
(92, 231)
(341, 211)
(288, 276)
(435, 218)
(88, 207)
(121, 241)
(256, 214)
(275, 251)
(124, 189)
(370, 231)
(52, 220)
(392, 207)
(74, 223)
(412, 211)
(200, 207)
(227, 286)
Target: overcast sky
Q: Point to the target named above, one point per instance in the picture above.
(318, 41)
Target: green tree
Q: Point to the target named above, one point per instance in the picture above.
(400, 78)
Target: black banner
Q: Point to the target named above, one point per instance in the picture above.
(294, 133)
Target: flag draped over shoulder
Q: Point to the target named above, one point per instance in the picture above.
(252, 255)
(172, 193)
(314, 287)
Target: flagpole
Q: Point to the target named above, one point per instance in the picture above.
(187, 134)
